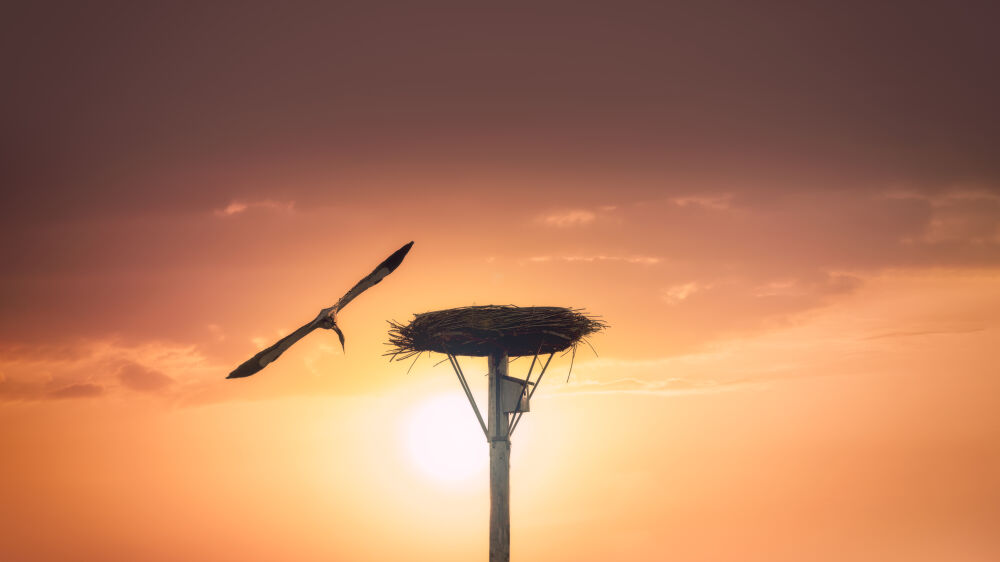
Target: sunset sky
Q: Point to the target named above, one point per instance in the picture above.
(788, 213)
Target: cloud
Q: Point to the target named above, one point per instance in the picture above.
(216, 332)
(819, 286)
(563, 219)
(232, 209)
(900, 324)
(101, 368)
(668, 386)
(678, 293)
(945, 198)
(920, 333)
(237, 207)
(957, 216)
(136, 377)
(642, 260)
(714, 202)
(82, 390)
(969, 222)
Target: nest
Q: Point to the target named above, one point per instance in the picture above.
(481, 330)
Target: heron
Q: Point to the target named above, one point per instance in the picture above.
(326, 319)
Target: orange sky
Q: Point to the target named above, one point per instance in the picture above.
(789, 217)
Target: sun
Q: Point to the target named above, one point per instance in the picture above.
(443, 439)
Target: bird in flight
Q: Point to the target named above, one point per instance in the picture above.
(327, 318)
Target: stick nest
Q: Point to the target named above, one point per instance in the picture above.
(481, 330)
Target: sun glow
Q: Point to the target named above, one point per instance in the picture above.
(444, 440)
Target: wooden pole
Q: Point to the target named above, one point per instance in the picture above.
(499, 436)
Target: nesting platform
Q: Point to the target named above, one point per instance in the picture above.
(479, 331)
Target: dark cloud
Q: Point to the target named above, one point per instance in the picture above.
(108, 108)
(142, 379)
(81, 368)
(148, 150)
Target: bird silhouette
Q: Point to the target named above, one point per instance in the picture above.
(326, 319)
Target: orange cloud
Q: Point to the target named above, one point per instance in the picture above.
(563, 219)
(677, 293)
(716, 202)
(80, 390)
(237, 207)
(643, 260)
(100, 367)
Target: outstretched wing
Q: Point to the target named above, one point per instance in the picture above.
(262, 359)
(381, 270)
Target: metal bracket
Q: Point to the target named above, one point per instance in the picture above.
(541, 374)
(468, 393)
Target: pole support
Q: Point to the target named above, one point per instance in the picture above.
(499, 437)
